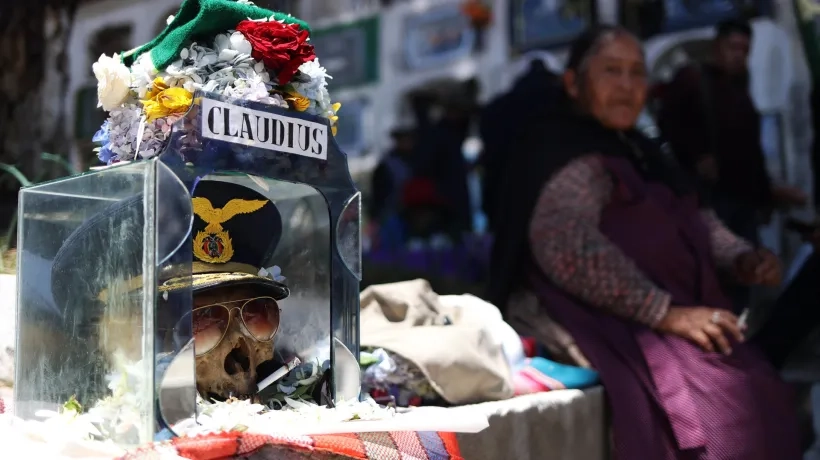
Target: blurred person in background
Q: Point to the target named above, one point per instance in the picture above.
(426, 216)
(441, 159)
(394, 169)
(389, 179)
(622, 251)
(501, 121)
(707, 114)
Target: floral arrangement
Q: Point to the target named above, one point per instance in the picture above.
(116, 417)
(71, 433)
(263, 60)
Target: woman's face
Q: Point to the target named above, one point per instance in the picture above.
(612, 83)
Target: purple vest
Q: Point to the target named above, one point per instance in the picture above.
(648, 219)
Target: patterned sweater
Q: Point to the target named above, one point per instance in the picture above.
(577, 257)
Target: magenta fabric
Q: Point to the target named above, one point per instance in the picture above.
(670, 400)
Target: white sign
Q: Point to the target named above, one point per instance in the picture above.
(264, 130)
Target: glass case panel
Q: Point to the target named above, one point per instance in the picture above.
(301, 261)
(348, 235)
(175, 370)
(81, 304)
(223, 137)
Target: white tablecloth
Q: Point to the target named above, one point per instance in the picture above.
(558, 425)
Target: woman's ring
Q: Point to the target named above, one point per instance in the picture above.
(716, 317)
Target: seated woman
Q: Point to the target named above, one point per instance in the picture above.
(621, 251)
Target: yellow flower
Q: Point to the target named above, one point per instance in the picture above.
(157, 87)
(167, 102)
(298, 102)
(334, 118)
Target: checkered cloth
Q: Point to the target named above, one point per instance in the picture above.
(403, 445)
(359, 446)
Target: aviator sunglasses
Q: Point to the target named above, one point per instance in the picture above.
(259, 321)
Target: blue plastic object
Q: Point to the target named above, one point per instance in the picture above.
(572, 377)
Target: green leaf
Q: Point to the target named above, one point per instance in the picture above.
(60, 160)
(16, 173)
(73, 405)
(366, 359)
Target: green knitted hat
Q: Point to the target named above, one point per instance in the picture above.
(198, 18)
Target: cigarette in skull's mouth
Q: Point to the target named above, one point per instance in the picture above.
(278, 374)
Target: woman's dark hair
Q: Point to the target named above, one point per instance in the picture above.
(733, 26)
(588, 43)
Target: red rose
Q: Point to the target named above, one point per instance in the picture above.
(281, 47)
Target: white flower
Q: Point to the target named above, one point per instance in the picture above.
(313, 85)
(240, 43)
(274, 273)
(229, 46)
(253, 89)
(185, 76)
(295, 416)
(143, 73)
(313, 69)
(113, 82)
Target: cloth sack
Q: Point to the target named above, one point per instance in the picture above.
(481, 310)
(464, 362)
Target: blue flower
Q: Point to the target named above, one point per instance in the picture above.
(101, 136)
(105, 154)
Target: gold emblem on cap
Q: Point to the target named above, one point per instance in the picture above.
(213, 245)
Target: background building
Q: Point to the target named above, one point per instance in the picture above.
(384, 53)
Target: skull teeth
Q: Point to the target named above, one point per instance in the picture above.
(231, 396)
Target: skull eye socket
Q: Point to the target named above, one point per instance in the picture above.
(261, 318)
(209, 327)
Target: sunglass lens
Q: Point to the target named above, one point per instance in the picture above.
(261, 317)
(210, 324)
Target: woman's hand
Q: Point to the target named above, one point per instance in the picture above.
(710, 328)
(759, 266)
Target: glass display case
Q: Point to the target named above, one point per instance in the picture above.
(232, 258)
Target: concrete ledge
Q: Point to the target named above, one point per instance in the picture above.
(556, 425)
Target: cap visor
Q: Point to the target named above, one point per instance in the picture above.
(205, 281)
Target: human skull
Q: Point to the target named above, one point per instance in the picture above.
(230, 369)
